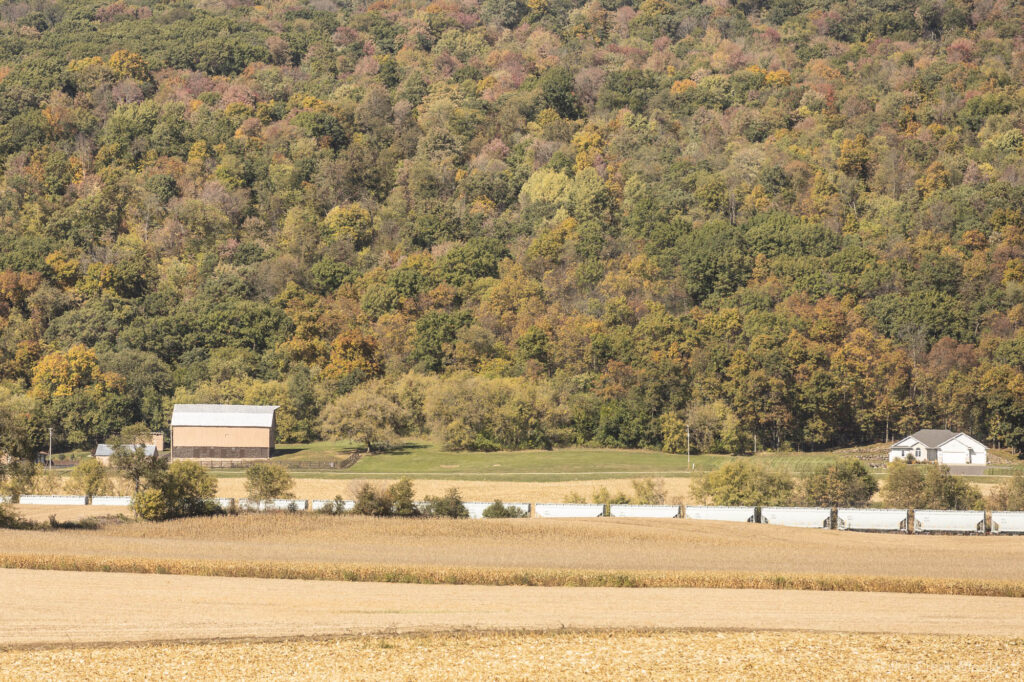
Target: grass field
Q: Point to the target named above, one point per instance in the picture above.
(428, 460)
(423, 460)
(608, 655)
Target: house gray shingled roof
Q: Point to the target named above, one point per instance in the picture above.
(933, 438)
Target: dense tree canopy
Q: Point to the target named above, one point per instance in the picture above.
(797, 220)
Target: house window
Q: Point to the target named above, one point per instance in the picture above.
(917, 453)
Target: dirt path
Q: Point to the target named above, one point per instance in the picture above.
(102, 607)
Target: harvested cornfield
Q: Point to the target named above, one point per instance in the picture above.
(533, 577)
(64, 513)
(117, 607)
(609, 655)
(677, 545)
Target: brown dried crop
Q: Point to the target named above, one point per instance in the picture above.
(533, 577)
(603, 545)
(604, 655)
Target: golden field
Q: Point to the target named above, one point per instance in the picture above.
(116, 607)
(677, 489)
(67, 512)
(609, 655)
(674, 545)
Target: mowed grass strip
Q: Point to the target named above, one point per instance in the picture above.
(445, 575)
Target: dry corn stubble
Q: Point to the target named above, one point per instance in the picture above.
(604, 545)
(620, 655)
(536, 577)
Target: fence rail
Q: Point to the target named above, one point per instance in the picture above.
(319, 465)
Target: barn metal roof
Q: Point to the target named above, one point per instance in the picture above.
(224, 415)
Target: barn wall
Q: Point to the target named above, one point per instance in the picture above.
(206, 452)
(221, 437)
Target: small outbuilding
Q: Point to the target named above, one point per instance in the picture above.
(223, 431)
(104, 452)
(940, 446)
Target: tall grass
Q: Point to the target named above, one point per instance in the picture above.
(535, 577)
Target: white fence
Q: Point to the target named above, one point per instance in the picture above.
(932, 520)
(797, 517)
(872, 519)
(52, 499)
(319, 505)
(272, 505)
(110, 501)
(223, 502)
(643, 511)
(476, 509)
(568, 511)
(1008, 522)
(742, 514)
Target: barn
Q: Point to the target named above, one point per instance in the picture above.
(223, 431)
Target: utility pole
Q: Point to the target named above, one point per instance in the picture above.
(49, 460)
(687, 446)
(755, 443)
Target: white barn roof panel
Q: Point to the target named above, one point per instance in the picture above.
(224, 415)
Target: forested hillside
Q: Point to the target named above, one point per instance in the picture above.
(527, 224)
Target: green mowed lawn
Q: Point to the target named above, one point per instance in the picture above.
(427, 460)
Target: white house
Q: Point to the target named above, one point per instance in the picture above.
(941, 446)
